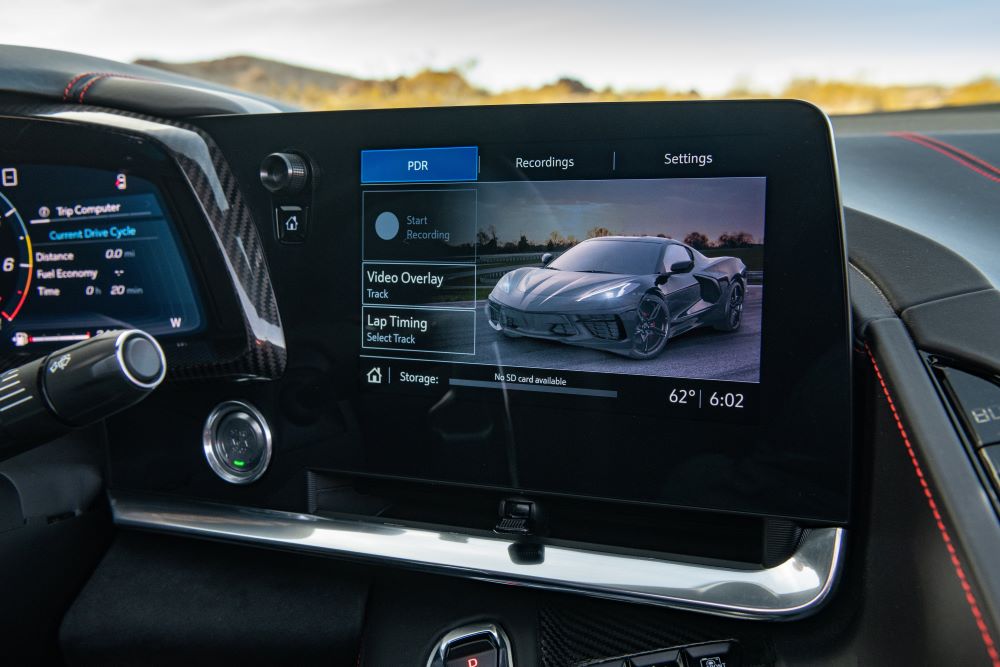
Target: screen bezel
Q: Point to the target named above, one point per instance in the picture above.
(796, 463)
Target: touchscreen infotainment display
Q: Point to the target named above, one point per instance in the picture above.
(624, 302)
(561, 285)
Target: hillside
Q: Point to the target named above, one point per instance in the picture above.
(257, 75)
(317, 89)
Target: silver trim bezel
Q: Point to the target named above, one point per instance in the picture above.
(437, 656)
(208, 442)
(120, 356)
(795, 588)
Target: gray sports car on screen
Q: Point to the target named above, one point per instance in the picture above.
(627, 295)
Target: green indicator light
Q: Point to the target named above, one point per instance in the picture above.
(238, 463)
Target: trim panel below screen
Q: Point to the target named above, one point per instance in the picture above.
(792, 589)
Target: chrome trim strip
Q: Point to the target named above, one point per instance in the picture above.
(793, 589)
(120, 356)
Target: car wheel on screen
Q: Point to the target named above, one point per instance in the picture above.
(733, 316)
(652, 327)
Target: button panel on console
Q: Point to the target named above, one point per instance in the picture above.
(977, 401)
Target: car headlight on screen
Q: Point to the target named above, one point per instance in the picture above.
(614, 291)
(504, 283)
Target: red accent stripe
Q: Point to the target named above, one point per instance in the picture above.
(957, 156)
(970, 597)
(955, 149)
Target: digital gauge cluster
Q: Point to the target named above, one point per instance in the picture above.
(84, 250)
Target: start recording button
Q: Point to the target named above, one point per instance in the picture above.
(420, 165)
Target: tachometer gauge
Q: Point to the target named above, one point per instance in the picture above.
(15, 261)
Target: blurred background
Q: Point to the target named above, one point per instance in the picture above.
(847, 57)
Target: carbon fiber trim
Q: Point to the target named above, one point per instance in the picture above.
(217, 192)
(585, 631)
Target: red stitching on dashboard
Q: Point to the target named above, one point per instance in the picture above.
(72, 82)
(83, 91)
(969, 162)
(970, 597)
(104, 75)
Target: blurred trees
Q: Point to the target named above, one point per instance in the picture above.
(735, 240)
(697, 240)
(595, 232)
(486, 239)
(432, 88)
(488, 243)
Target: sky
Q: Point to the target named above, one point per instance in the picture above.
(708, 45)
(675, 207)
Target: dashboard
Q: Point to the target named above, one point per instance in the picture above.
(514, 304)
(636, 362)
(561, 318)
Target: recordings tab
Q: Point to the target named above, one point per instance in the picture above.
(420, 165)
(536, 161)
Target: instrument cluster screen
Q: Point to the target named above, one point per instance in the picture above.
(85, 250)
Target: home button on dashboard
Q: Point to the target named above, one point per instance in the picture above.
(291, 223)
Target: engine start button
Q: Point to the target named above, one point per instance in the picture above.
(237, 442)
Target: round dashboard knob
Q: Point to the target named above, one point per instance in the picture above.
(237, 442)
(284, 173)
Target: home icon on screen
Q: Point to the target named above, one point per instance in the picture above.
(374, 375)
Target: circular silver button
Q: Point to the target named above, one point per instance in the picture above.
(237, 442)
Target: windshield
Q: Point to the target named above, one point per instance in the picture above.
(847, 57)
(609, 256)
